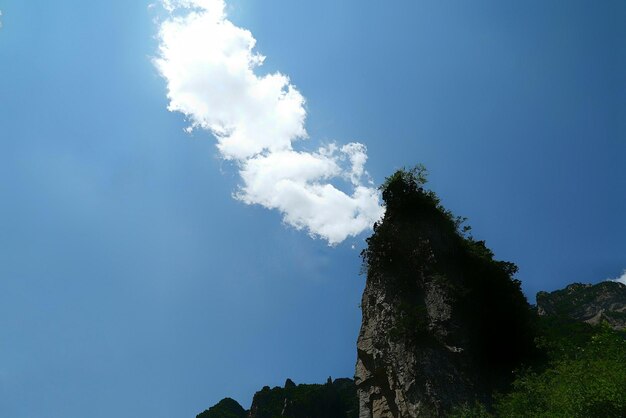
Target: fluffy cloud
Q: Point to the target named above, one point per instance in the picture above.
(621, 279)
(209, 65)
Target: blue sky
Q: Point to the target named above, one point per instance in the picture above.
(132, 283)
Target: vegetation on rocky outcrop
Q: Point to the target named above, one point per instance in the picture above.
(420, 241)
(602, 302)
(582, 372)
(444, 322)
(583, 375)
(226, 408)
(334, 399)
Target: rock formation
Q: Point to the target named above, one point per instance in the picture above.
(443, 322)
(593, 304)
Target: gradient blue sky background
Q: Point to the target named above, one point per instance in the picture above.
(133, 285)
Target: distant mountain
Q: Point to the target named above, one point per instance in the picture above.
(334, 399)
(593, 304)
(226, 408)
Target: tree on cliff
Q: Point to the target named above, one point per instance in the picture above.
(418, 233)
(226, 408)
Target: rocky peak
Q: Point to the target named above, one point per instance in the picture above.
(443, 322)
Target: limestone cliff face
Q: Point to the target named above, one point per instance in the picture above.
(443, 322)
(602, 302)
(399, 377)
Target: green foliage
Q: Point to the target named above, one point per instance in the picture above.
(226, 408)
(477, 410)
(562, 337)
(269, 402)
(585, 377)
(407, 199)
(412, 178)
(336, 399)
(589, 382)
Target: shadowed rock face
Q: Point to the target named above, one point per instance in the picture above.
(406, 368)
(403, 376)
(605, 301)
(443, 322)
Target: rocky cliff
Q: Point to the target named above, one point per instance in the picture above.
(443, 322)
(593, 304)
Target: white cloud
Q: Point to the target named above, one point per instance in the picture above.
(209, 65)
(621, 279)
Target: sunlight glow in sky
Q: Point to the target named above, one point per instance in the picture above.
(621, 279)
(209, 66)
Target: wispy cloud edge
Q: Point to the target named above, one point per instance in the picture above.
(621, 279)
